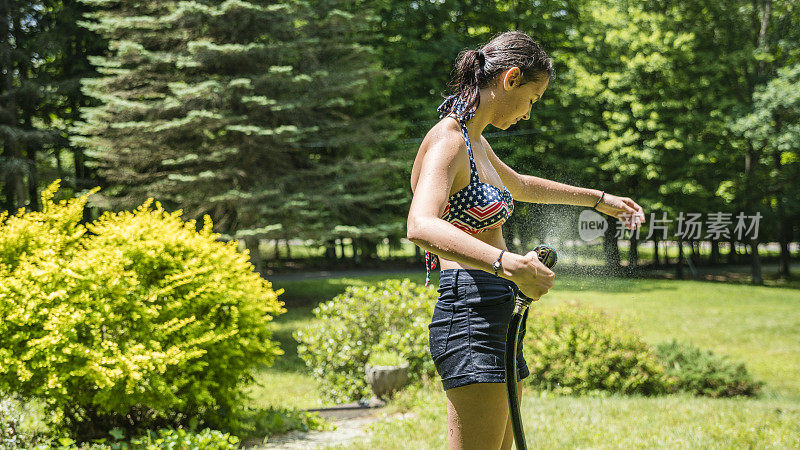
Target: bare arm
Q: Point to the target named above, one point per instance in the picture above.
(528, 188)
(427, 230)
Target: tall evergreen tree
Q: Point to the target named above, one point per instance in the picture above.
(43, 52)
(21, 25)
(243, 111)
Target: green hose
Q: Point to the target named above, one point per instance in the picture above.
(547, 255)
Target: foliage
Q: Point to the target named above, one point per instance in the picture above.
(164, 438)
(580, 350)
(133, 321)
(10, 418)
(386, 358)
(772, 130)
(703, 373)
(389, 316)
(281, 420)
(263, 115)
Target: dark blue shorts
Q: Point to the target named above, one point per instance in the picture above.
(468, 329)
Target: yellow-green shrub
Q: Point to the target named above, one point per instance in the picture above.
(140, 322)
(575, 349)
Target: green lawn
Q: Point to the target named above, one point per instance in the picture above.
(759, 326)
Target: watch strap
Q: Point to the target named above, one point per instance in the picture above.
(499, 263)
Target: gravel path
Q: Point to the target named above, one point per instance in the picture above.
(347, 430)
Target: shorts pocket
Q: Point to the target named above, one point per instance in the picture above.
(491, 306)
(478, 295)
(440, 328)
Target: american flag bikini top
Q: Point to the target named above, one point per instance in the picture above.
(479, 206)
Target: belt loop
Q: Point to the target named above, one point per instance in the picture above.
(455, 282)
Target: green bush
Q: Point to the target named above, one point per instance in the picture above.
(10, 418)
(390, 316)
(164, 438)
(281, 420)
(206, 439)
(703, 373)
(136, 321)
(574, 349)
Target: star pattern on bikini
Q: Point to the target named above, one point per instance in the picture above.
(479, 206)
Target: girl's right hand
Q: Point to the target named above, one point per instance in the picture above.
(532, 277)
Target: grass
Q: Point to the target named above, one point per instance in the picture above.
(759, 326)
(615, 422)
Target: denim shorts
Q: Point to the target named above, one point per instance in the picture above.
(467, 333)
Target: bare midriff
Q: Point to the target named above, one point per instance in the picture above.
(492, 237)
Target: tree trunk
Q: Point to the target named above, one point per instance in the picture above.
(732, 253)
(755, 261)
(33, 176)
(14, 187)
(330, 250)
(784, 228)
(714, 258)
(251, 243)
(633, 252)
(679, 262)
(355, 244)
(610, 248)
(656, 257)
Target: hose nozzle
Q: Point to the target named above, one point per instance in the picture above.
(547, 255)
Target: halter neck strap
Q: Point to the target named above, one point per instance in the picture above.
(455, 107)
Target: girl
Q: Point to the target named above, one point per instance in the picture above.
(463, 193)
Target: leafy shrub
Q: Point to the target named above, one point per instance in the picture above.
(390, 316)
(281, 420)
(164, 438)
(574, 349)
(703, 373)
(386, 358)
(10, 417)
(20, 423)
(207, 439)
(142, 323)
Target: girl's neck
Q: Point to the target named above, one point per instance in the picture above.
(483, 114)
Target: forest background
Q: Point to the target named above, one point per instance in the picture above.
(298, 121)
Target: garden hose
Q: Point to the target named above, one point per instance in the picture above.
(547, 255)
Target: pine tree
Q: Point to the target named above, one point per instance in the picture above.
(21, 25)
(245, 112)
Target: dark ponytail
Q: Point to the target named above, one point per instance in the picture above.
(476, 68)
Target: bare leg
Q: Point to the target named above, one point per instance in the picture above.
(477, 416)
(508, 439)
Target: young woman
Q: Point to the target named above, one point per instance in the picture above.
(463, 193)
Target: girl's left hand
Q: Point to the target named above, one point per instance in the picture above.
(624, 209)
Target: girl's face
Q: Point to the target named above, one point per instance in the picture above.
(517, 98)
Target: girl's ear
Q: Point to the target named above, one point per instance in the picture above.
(511, 78)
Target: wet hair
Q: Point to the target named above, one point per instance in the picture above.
(474, 69)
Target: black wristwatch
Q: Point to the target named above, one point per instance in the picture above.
(498, 264)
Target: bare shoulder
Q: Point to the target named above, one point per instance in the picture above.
(443, 149)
